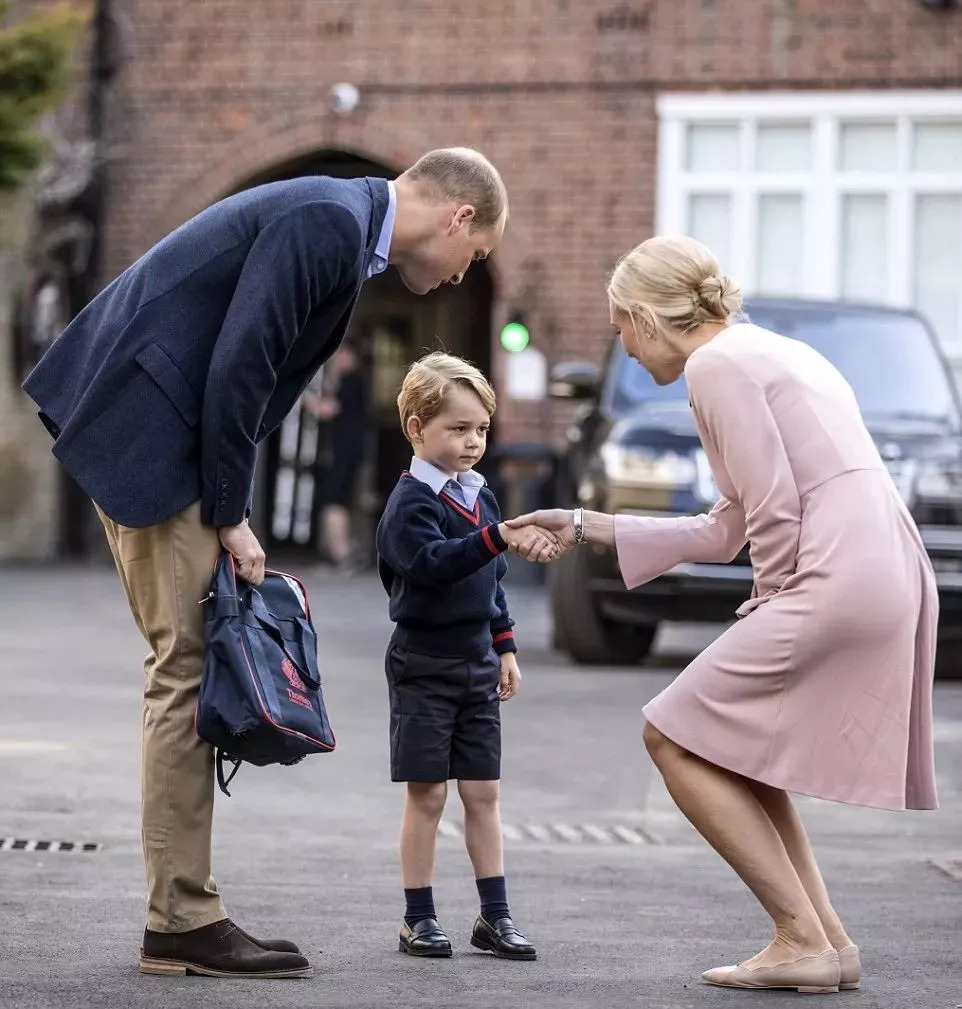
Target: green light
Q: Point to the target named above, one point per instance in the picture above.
(515, 337)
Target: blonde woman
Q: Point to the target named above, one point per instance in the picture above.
(824, 684)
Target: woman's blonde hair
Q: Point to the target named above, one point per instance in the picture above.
(428, 381)
(677, 279)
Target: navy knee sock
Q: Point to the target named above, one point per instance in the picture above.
(494, 898)
(419, 903)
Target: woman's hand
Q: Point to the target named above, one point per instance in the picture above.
(559, 522)
(530, 542)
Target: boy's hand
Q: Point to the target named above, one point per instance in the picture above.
(555, 522)
(510, 676)
(531, 542)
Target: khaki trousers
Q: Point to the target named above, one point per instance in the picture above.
(165, 569)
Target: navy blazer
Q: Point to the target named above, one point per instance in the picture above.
(158, 392)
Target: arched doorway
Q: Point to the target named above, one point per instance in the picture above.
(390, 327)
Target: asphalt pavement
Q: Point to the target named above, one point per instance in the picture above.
(624, 901)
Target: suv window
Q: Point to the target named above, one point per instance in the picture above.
(888, 359)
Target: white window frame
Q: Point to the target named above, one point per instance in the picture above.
(822, 186)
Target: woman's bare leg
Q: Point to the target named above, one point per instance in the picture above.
(781, 811)
(727, 813)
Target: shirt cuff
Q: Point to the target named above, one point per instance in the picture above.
(493, 539)
(504, 642)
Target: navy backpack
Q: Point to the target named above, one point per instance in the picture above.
(260, 695)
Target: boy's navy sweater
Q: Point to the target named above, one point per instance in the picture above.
(442, 567)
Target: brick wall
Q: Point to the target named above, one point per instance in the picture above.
(559, 93)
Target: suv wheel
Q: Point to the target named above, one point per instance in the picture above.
(577, 626)
(948, 655)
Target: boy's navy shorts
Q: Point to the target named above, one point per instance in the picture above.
(445, 716)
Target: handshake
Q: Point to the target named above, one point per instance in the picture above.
(540, 536)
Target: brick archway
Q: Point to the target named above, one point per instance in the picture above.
(257, 150)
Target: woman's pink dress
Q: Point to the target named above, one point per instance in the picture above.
(824, 686)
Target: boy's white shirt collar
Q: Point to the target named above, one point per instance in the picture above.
(470, 481)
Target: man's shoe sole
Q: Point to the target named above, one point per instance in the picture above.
(488, 948)
(148, 965)
(403, 947)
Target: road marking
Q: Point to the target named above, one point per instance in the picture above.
(554, 833)
(31, 844)
(536, 832)
(29, 746)
(596, 833)
(629, 835)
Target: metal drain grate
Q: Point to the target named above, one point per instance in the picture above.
(23, 844)
(579, 833)
(952, 867)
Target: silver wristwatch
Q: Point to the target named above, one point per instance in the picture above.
(578, 521)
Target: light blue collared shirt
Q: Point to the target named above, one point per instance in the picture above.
(465, 489)
(378, 262)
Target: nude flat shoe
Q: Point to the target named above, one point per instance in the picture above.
(810, 975)
(851, 968)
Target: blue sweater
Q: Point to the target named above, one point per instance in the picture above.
(442, 567)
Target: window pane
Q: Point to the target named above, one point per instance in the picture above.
(867, 147)
(713, 148)
(864, 253)
(938, 262)
(783, 147)
(780, 244)
(709, 220)
(937, 147)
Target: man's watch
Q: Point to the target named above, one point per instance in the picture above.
(578, 521)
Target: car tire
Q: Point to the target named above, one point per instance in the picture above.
(948, 656)
(577, 627)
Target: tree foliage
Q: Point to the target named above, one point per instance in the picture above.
(35, 61)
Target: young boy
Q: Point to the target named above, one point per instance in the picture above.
(451, 660)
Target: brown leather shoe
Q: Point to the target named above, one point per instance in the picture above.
(217, 950)
(278, 945)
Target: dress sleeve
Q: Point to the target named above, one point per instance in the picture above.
(649, 546)
(733, 411)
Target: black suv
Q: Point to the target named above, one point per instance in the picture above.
(634, 449)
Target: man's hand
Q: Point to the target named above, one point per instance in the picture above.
(510, 676)
(554, 522)
(247, 552)
(532, 543)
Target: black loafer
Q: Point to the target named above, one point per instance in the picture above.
(502, 939)
(424, 938)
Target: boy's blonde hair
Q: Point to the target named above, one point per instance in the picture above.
(427, 383)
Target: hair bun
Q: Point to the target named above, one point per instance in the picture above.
(718, 296)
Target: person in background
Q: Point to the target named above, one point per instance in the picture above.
(343, 405)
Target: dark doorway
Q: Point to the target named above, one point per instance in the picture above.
(390, 328)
